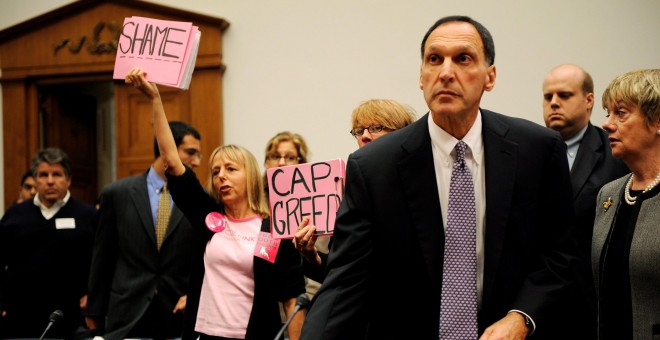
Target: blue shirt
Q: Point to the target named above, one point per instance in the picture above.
(573, 145)
(154, 187)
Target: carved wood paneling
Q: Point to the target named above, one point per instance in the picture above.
(72, 45)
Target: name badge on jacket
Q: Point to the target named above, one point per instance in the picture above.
(65, 223)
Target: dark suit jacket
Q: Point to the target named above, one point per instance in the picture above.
(385, 265)
(594, 166)
(127, 269)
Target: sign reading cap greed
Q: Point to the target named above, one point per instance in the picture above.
(310, 189)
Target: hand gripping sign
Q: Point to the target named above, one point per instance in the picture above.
(166, 50)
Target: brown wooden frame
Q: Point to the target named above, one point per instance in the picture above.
(75, 44)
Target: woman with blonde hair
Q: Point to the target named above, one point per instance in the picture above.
(285, 148)
(374, 118)
(236, 285)
(626, 239)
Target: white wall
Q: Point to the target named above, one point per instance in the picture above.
(303, 65)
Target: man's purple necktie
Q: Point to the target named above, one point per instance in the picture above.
(458, 307)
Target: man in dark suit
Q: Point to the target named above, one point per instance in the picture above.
(45, 247)
(135, 289)
(568, 100)
(385, 268)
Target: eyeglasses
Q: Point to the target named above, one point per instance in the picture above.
(288, 159)
(28, 186)
(357, 132)
(193, 153)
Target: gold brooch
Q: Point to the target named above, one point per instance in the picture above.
(607, 204)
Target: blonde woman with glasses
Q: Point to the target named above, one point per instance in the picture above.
(375, 118)
(371, 120)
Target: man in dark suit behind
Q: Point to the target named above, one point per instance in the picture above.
(385, 268)
(568, 100)
(135, 289)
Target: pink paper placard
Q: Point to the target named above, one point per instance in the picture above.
(267, 247)
(310, 189)
(160, 47)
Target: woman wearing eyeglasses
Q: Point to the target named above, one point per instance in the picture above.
(377, 117)
(371, 120)
(236, 284)
(285, 148)
(288, 148)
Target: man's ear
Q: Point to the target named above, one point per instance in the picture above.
(491, 74)
(421, 85)
(590, 101)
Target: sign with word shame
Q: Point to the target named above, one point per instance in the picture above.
(165, 50)
(310, 189)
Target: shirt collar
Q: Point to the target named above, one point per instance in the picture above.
(50, 212)
(445, 142)
(154, 182)
(577, 138)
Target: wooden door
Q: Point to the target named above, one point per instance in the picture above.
(135, 132)
(69, 123)
(77, 43)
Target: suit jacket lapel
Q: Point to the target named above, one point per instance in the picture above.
(140, 198)
(589, 153)
(421, 194)
(501, 161)
(175, 219)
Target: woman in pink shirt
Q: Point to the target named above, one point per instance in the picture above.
(236, 282)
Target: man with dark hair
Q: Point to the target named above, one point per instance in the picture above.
(45, 248)
(470, 207)
(189, 153)
(28, 187)
(568, 99)
(139, 274)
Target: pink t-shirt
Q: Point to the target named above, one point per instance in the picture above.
(227, 293)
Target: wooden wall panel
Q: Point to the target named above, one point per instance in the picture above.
(134, 124)
(80, 40)
(72, 44)
(16, 145)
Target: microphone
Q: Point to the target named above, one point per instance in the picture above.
(54, 317)
(301, 303)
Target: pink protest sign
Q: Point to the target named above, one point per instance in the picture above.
(267, 247)
(165, 49)
(310, 189)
